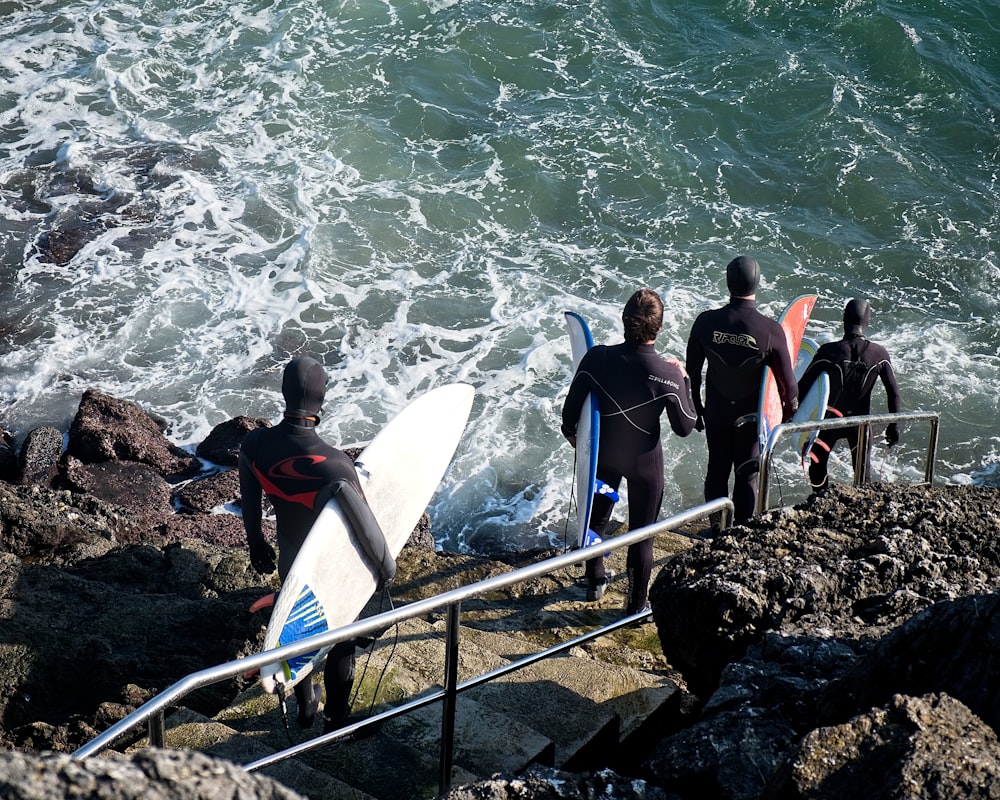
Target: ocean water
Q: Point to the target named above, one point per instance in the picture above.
(193, 191)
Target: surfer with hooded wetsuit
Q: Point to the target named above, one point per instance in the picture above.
(296, 469)
(853, 364)
(736, 342)
(633, 385)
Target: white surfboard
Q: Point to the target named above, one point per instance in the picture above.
(588, 431)
(813, 405)
(331, 580)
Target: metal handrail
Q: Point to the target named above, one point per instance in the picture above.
(864, 424)
(152, 712)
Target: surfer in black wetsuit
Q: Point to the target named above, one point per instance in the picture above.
(737, 342)
(633, 385)
(853, 364)
(295, 468)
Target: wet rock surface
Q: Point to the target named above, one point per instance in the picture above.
(847, 647)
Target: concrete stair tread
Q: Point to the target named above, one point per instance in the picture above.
(486, 740)
(191, 730)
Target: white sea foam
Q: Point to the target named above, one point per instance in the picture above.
(416, 193)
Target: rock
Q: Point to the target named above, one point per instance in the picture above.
(853, 562)
(915, 747)
(108, 429)
(952, 647)
(150, 774)
(210, 492)
(128, 484)
(222, 445)
(8, 456)
(544, 783)
(38, 462)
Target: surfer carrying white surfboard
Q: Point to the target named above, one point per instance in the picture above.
(634, 385)
(736, 342)
(296, 469)
(853, 364)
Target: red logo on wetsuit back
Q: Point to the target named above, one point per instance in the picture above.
(288, 469)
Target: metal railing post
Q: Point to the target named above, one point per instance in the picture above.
(450, 701)
(155, 728)
(861, 457)
(932, 441)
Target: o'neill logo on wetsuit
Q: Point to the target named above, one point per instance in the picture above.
(286, 469)
(739, 339)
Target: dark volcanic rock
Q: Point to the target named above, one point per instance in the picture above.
(38, 462)
(222, 445)
(108, 429)
(915, 747)
(953, 647)
(123, 483)
(8, 456)
(148, 775)
(544, 783)
(853, 562)
(807, 618)
(212, 491)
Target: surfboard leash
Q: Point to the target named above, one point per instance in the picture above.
(283, 707)
(386, 598)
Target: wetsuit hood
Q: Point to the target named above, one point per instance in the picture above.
(857, 315)
(742, 276)
(303, 385)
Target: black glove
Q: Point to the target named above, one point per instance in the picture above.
(262, 556)
(699, 423)
(891, 433)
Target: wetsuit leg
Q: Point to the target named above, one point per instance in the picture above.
(339, 679)
(719, 438)
(746, 460)
(730, 447)
(645, 496)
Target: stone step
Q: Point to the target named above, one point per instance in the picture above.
(186, 729)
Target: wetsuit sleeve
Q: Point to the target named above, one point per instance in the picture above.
(251, 495)
(695, 362)
(681, 411)
(781, 366)
(894, 400)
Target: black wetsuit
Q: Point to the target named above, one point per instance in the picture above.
(295, 468)
(633, 385)
(850, 398)
(737, 342)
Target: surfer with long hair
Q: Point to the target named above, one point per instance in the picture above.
(634, 386)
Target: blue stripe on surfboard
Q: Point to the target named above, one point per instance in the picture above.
(307, 618)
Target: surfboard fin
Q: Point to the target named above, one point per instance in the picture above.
(265, 602)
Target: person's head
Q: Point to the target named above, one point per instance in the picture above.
(742, 276)
(303, 385)
(642, 317)
(857, 315)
